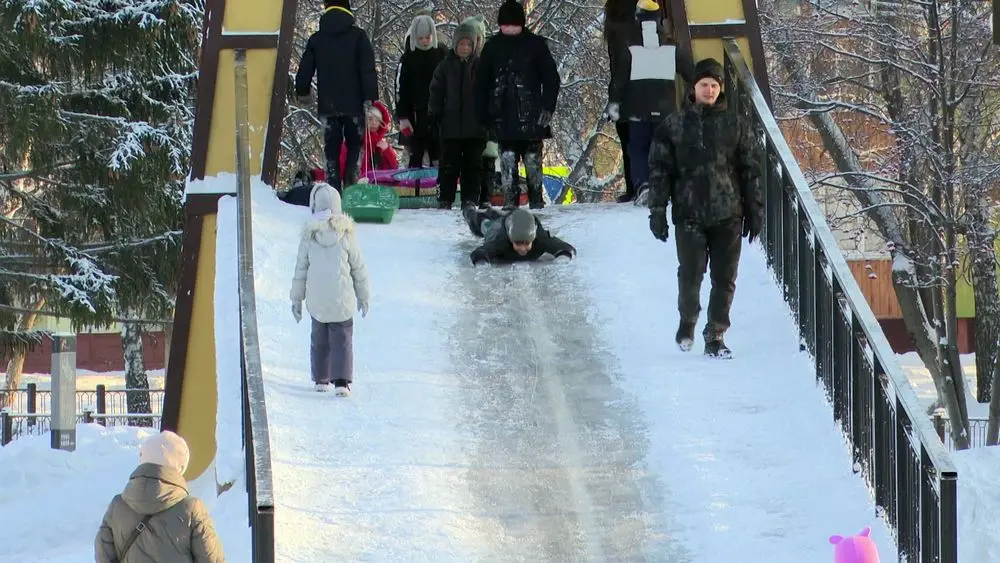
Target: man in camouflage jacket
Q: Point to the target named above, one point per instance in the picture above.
(704, 161)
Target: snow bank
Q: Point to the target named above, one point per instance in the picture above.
(53, 501)
(978, 504)
(229, 459)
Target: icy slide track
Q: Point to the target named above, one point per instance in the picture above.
(542, 412)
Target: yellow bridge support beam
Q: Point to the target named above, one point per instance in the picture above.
(263, 28)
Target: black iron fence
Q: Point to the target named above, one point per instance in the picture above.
(28, 410)
(894, 446)
(256, 440)
(977, 430)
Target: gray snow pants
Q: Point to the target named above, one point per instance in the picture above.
(332, 351)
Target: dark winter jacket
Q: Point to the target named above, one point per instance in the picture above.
(341, 56)
(497, 248)
(452, 100)
(643, 80)
(517, 79)
(416, 69)
(616, 29)
(704, 161)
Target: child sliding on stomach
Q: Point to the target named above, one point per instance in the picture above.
(330, 275)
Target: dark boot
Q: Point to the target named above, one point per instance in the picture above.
(685, 336)
(351, 175)
(626, 197)
(716, 348)
(642, 198)
(333, 174)
(444, 205)
(473, 219)
(510, 200)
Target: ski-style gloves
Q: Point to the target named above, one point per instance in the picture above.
(297, 310)
(658, 223)
(612, 112)
(405, 127)
(363, 307)
(752, 223)
(479, 257)
(544, 118)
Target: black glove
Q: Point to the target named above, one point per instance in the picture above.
(752, 223)
(544, 118)
(565, 253)
(479, 257)
(658, 223)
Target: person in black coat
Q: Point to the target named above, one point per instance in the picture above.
(619, 17)
(644, 92)
(340, 55)
(416, 68)
(517, 88)
(452, 108)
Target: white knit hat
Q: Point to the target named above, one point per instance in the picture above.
(324, 197)
(166, 449)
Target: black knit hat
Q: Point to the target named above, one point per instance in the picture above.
(511, 12)
(709, 68)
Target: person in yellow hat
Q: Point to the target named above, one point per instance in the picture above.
(644, 90)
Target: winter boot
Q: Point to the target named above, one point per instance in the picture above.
(322, 387)
(626, 197)
(333, 174)
(351, 174)
(472, 219)
(342, 388)
(510, 199)
(685, 336)
(445, 205)
(716, 348)
(642, 199)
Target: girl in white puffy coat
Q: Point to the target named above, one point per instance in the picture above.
(330, 275)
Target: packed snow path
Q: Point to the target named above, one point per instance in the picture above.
(542, 412)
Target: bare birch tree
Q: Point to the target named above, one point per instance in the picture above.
(922, 73)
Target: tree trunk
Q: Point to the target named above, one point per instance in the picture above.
(136, 380)
(920, 328)
(16, 364)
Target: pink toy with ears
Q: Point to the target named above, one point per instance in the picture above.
(855, 549)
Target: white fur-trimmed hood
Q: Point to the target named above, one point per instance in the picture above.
(329, 231)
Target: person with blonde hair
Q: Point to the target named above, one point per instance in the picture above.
(155, 518)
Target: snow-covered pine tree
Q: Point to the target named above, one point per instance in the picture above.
(94, 143)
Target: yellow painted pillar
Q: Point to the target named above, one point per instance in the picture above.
(264, 28)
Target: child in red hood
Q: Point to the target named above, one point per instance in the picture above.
(375, 149)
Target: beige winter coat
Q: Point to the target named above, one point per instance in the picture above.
(330, 273)
(180, 532)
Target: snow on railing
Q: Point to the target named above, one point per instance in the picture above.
(895, 448)
(256, 441)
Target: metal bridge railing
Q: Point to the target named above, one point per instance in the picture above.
(256, 441)
(894, 446)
